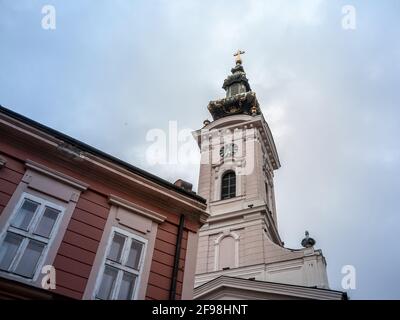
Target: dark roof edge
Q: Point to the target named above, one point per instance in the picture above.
(100, 153)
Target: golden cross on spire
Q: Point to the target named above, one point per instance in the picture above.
(237, 54)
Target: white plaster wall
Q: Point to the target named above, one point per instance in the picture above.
(258, 256)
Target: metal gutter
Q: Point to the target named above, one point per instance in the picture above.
(174, 279)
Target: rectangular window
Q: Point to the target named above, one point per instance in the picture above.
(122, 266)
(24, 242)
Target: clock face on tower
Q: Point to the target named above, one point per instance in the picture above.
(229, 150)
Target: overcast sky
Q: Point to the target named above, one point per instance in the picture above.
(112, 71)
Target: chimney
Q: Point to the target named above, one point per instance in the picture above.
(184, 185)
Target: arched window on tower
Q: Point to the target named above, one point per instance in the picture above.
(228, 185)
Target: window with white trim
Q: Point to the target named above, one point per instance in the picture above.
(25, 241)
(122, 266)
(228, 185)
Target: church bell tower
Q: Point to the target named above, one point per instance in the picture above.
(238, 160)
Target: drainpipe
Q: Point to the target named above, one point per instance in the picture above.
(174, 280)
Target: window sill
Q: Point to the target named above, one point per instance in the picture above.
(218, 202)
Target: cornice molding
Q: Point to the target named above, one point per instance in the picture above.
(147, 213)
(244, 121)
(241, 213)
(56, 175)
(224, 283)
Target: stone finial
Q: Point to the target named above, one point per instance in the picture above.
(308, 242)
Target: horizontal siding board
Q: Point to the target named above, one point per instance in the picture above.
(183, 254)
(7, 187)
(166, 258)
(15, 165)
(164, 270)
(10, 175)
(192, 225)
(78, 249)
(85, 229)
(184, 241)
(160, 281)
(157, 293)
(169, 227)
(72, 266)
(165, 247)
(179, 288)
(168, 248)
(92, 208)
(76, 253)
(81, 241)
(96, 198)
(180, 277)
(4, 198)
(70, 281)
(166, 236)
(68, 292)
(89, 218)
(161, 268)
(163, 257)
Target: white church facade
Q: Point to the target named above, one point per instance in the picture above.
(240, 253)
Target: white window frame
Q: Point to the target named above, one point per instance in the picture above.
(29, 235)
(121, 266)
